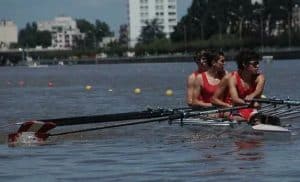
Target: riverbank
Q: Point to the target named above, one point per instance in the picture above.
(270, 55)
(275, 54)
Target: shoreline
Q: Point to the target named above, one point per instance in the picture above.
(267, 55)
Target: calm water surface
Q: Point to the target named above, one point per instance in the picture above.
(150, 152)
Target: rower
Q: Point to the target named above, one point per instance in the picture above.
(207, 82)
(200, 59)
(242, 85)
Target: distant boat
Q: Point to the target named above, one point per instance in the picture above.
(33, 64)
(36, 65)
(267, 59)
(61, 63)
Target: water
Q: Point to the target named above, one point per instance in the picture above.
(150, 152)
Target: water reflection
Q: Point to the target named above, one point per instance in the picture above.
(248, 149)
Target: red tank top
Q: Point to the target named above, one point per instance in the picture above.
(242, 91)
(208, 90)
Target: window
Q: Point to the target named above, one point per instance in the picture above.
(172, 20)
(171, 7)
(159, 7)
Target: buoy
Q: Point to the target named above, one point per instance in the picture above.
(169, 92)
(137, 91)
(21, 83)
(88, 87)
(110, 90)
(50, 84)
(263, 97)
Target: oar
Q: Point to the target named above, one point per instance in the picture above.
(293, 113)
(164, 118)
(176, 115)
(149, 113)
(277, 101)
(272, 110)
(290, 117)
(37, 131)
(279, 113)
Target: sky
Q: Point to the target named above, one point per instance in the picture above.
(113, 12)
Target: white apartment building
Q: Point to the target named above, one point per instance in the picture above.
(141, 11)
(64, 31)
(8, 33)
(295, 23)
(256, 1)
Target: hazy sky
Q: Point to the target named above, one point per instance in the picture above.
(113, 12)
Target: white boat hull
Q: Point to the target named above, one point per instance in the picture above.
(236, 128)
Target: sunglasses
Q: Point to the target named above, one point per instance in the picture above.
(254, 63)
(202, 60)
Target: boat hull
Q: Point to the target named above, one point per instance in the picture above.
(233, 128)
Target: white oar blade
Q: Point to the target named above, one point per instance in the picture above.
(270, 128)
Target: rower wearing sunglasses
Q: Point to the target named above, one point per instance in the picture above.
(242, 85)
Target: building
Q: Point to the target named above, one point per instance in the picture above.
(256, 1)
(295, 23)
(8, 33)
(64, 31)
(141, 11)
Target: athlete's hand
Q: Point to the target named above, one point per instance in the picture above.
(249, 97)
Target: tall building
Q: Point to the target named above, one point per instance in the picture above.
(8, 33)
(256, 1)
(64, 31)
(141, 11)
(295, 23)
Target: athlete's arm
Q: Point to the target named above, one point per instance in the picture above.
(260, 83)
(219, 95)
(190, 89)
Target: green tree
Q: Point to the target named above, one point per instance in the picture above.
(31, 37)
(84, 26)
(88, 41)
(44, 38)
(102, 30)
(94, 33)
(193, 25)
(151, 32)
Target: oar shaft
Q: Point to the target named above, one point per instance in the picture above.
(107, 117)
(277, 101)
(286, 111)
(150, 113)
(274, 110)
(113, 126)
(229, 109)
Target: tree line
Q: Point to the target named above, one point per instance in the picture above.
(231, 24)
(226, 24)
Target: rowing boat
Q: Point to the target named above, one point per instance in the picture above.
(37, 131)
